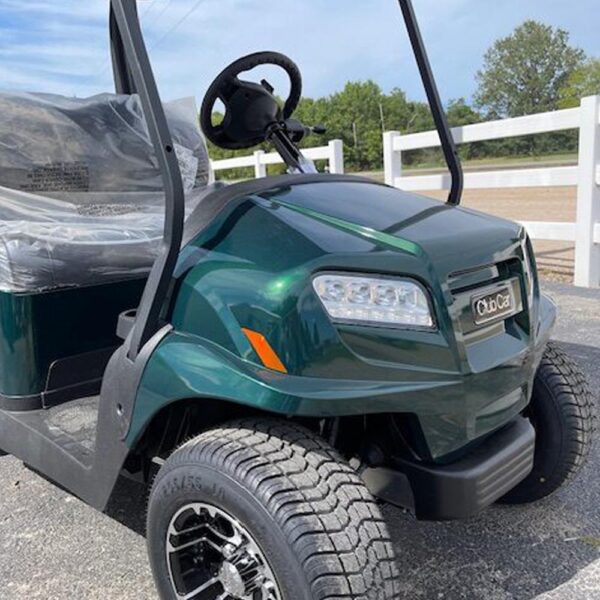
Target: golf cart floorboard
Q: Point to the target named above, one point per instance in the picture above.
(70, 426)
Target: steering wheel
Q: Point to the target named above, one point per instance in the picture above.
(250, 108)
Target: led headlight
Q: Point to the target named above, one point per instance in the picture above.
(374, 300)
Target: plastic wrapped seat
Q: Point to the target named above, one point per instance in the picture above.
(81, 199)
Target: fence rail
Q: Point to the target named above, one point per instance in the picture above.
(333, 153)
(585, 232)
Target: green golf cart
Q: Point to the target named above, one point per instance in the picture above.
(275, 357)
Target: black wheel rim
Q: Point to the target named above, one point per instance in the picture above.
(211, 556)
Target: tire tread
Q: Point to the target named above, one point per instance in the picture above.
(573, 400)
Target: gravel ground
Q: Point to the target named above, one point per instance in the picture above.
(54, 547)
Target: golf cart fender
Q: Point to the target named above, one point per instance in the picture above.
(545, 322)
(545, 319)
(185, 367)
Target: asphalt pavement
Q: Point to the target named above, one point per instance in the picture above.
(54, 547)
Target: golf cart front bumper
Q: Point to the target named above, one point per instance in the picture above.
(465, 487)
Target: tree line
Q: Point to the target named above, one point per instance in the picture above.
(534, 69)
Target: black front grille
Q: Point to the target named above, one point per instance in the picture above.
(473, 278)
(465, 286)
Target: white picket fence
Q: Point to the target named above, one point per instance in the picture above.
(585, 232)
(333, 153)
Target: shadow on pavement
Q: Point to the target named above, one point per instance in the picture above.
(128, 505)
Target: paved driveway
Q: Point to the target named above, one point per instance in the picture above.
(52, 546)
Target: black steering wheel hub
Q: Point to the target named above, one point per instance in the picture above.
(251, 109)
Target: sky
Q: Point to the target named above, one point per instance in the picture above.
(61, 46)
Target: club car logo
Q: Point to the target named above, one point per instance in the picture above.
(492, 306)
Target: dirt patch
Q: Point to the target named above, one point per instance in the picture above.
(558, 204)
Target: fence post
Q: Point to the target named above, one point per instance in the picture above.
(392, 161)
(336, 157)
(260, 169)
(587, 253)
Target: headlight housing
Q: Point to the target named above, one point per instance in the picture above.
(381, 301)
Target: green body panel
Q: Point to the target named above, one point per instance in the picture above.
(38, 329)
(253, 266)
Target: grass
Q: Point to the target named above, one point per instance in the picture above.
(551, 159)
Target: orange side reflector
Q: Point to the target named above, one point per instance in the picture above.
(263, 349)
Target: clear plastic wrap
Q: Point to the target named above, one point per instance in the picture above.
(81, 199)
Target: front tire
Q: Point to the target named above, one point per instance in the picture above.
(563, 414)
(284, 516)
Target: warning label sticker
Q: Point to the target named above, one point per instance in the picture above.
(58, 177)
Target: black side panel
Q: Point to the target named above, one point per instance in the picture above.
(89, 475)
(21, 403)
(28, 436)
(117, 399)
(76, 376)
(68, 378)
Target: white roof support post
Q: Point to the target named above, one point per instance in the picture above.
(587, 252)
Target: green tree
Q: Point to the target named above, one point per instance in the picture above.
(400, 114)
(358, 115)
(460, 113)
(525, 72)
(584, 81)
(354, 116)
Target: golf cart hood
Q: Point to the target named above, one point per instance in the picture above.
(321, 222)
(451, 238)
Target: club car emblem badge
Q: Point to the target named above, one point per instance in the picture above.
(492, 306)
